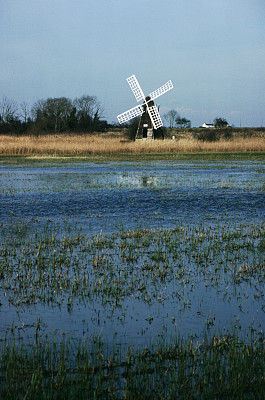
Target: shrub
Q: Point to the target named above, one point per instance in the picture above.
(207, 135)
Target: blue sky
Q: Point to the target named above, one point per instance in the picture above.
(212, 50)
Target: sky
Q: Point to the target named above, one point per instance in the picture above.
(212, 50)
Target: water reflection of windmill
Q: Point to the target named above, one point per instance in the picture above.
(150, 117)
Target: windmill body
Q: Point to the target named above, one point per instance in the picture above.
(145, 128)
(150, 118)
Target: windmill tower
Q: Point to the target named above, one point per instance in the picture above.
(150, 117)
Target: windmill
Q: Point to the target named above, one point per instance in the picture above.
(150, 117)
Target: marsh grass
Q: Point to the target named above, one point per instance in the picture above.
(83, 145)
(220, 367)
(57, 268)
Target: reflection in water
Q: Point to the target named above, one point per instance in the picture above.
(148, 181)
(138, 180)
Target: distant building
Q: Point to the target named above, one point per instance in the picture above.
(205, 125)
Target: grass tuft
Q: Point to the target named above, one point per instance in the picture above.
(222, 367)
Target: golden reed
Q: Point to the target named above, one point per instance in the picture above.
(83, 145)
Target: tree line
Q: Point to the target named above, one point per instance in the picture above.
(53, 115)
(176, 121)
(83, 114)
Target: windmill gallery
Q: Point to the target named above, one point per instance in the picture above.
(150, 120)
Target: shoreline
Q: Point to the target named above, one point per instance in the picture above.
(98, 158)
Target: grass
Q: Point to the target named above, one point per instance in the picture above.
(55, 269)
(217, 366)
(111, 267)
(221, 367)
(84, 145)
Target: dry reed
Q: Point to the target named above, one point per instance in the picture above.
(83, 145)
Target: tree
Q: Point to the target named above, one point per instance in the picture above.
(88, 112)
(59, 110)
(52, 114)
(175, 120)
(132, 128)
(39, 115)
(38, 109)
(8, 111)
(183, 122)
(72, 120)
(25, 112)
(171, 117)
(60, 114)
(220, 122)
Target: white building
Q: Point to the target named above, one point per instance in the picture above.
(205, 125)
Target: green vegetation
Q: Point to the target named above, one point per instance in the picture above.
(95, 158)
(221, 367)
(53, 268)
(220, 122)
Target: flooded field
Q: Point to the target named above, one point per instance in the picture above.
(132, 253)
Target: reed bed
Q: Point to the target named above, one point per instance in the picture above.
(83, 145)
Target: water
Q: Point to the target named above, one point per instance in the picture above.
(102, 197)
(88, 199)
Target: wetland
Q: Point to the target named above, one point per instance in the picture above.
(121, 279)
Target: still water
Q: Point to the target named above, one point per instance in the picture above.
(105, 199)
(111, 196)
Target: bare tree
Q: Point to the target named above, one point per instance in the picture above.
(175, 120)
(25, 111)
(88, 111)
(171, 118)
(60, 114)
(8, 110)
(52, 114)
(59, 110)
(39, 115)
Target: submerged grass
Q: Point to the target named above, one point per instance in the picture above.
(52, 268)
(221, 367)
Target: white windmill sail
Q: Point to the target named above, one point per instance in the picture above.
(136, 88)
(139, 110)
(163, 89)
(130, 114)
(155, 116)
